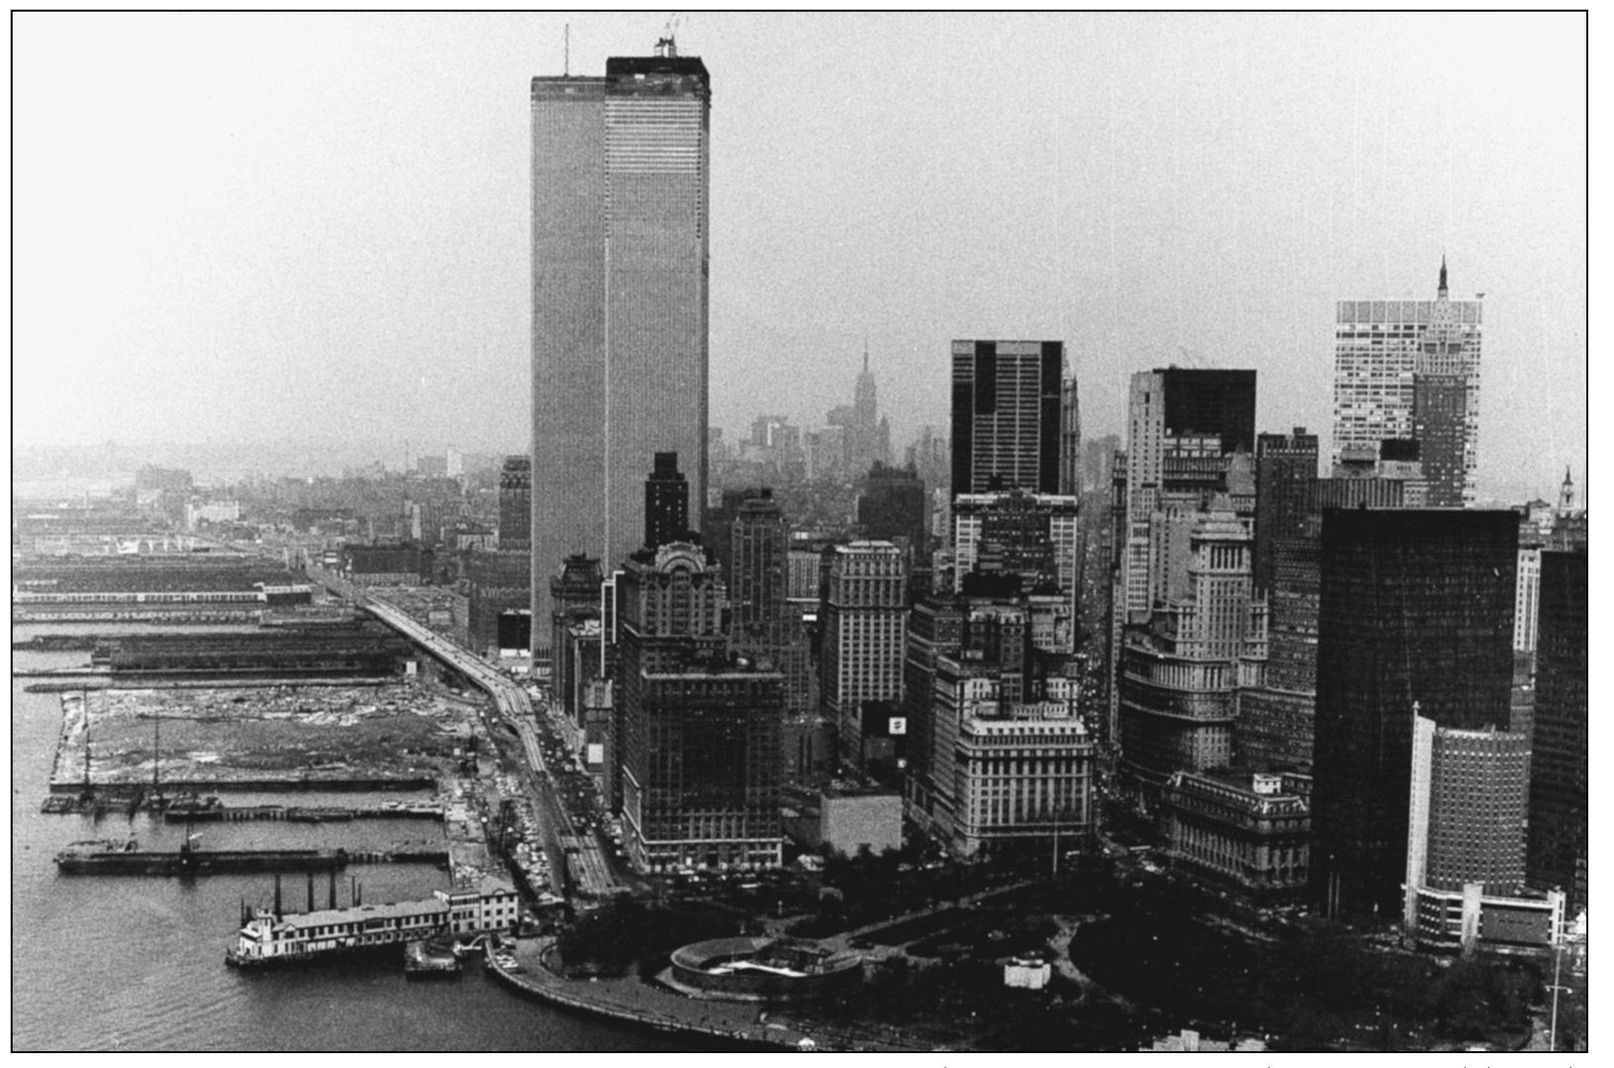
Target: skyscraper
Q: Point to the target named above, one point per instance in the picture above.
(1181, 673)
(757, 574)
(698, 732)
(515, 505)
(1410, 369)
(666, 503)
(865, 606)
(620, 183)
(1285, 468)
(1007, 398)
(1415, 607)
(1560, 771)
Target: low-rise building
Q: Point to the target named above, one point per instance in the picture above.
(1252, 833)
(846, 818)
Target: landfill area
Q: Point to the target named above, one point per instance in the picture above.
(350, 735)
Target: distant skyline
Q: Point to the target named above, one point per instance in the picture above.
(259, 226)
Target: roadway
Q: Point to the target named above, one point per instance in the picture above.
(591, 872)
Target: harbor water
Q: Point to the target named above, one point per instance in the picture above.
(137, 963)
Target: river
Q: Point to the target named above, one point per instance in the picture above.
(137, 963)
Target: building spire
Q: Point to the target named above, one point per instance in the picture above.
(865, 354)
(1442, 291)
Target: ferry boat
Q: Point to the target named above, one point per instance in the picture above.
(270, 938)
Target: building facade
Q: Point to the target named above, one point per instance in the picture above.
(1022, 776)
(620, 187)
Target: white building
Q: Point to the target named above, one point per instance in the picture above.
(1527, 599)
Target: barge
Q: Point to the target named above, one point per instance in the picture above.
(127, 858)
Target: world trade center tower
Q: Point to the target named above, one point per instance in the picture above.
(620, 184)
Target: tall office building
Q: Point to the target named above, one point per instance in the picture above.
(1560, 770)
(1416, 608)
(1181, 673)
(515, 505)
(894, 507)
(865, 608)
(1189, 436)
(865, 435)
(666, 503)
(1184, 429)
(698, 733)
(1285, 468)
(1018, 543)
(1274, 731)
(1410, 370)
(1465, 842)
(1070, 438)
(620, 182)
(757, 575)
(1007, 421)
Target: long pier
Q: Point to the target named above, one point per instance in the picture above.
(296, 814)
(297, 784)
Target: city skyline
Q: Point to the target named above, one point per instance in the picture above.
(1202, 191)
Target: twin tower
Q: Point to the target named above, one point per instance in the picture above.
(620, 191)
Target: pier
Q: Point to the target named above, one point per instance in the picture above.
(217, 813)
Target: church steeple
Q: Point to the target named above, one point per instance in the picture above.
(1442, 290)
(1566, 494)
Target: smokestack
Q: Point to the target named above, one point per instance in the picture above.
(359, 892)
(310, 891)
(277, 895)
(333, 889)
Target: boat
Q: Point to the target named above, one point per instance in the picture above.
(428, 959)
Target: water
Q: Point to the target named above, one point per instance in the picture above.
(137, 963)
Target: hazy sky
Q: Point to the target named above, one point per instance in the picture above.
(265, 226)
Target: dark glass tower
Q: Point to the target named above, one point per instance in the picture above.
(1560, 765)
(1007, 398)
(1201, 401)
(666, 503)
(1415, 611)
(1285, 468)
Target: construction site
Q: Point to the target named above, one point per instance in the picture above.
(371, 736)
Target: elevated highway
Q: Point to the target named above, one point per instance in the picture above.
(579, 853)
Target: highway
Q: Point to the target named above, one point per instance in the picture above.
(591, 873)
